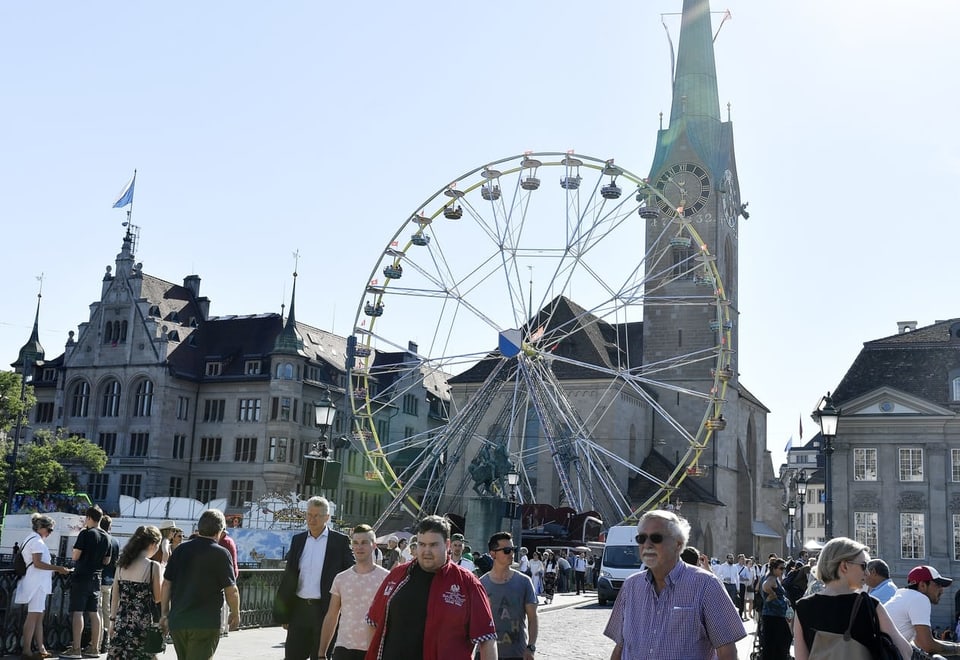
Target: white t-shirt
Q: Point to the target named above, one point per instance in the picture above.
(909, 608)
(356, 592)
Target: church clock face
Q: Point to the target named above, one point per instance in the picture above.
(729, 203)
(684, 185)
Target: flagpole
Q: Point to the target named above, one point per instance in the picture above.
(130, 208)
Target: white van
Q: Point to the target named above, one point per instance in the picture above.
(620, 560)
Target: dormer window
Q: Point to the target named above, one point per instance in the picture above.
(214, 368)
(251, 367)
(49, 374)
(154, 311)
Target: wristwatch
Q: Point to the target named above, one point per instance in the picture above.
(532, 648)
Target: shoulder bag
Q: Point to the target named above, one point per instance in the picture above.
(888, 650)
(834, 646)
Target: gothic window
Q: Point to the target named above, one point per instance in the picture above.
(241, 492)
(139, 444)
(206, 489)
(130, 484)
(912, 542)
(110, 400)
(683, 263)
(143, 401)
(285, 371)
(108, 333)
(108, 443)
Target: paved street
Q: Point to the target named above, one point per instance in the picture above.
(570, 629)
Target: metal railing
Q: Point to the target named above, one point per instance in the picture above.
(257, 587)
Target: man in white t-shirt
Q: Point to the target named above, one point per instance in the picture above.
(351, 594)
(457, 543)
(910, 608)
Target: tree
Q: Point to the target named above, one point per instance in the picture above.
(10, 403)
(47, 464)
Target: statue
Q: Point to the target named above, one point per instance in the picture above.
(488, 468)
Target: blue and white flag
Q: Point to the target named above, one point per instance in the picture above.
(789, 445)
(126, 195)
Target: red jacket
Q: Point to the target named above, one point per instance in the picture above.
(457, 603)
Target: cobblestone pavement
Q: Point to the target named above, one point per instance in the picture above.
(570, 629)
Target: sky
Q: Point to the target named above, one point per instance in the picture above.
(260, 129)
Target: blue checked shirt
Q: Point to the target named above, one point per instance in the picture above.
(690, 618)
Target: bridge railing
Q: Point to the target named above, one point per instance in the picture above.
(257, 586)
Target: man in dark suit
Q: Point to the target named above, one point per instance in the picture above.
(315, 558)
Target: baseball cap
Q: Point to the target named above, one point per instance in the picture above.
(927, 574)
(458, 537)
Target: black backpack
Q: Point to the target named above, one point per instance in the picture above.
(19, 564)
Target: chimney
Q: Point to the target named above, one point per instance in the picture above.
(192, 282)
(904, 327)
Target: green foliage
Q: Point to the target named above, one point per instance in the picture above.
(10, 404)
(47, 464)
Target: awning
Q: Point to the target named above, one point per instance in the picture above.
(812, 545)
(761, 528)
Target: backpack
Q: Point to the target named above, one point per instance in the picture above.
(483, 563)
(19, 563)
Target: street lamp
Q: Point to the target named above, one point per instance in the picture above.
(827, 417)
(318, 469)
(791, 512)
(513, 479)
(802, 496)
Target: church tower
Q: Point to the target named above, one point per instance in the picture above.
(695, 170)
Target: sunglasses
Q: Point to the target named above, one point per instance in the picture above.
(507, 551)
(862, 565)
(654, 538)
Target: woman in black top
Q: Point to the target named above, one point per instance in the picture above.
(842, 568)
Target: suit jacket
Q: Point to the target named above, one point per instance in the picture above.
(338, 558)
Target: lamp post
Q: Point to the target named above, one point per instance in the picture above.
(513, 479)
(801, 495)
(827, 417)
(318, 468)
(791, 512)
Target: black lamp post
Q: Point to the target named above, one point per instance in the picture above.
(827, 417)
(513, 479)
(791, 513)
(802, 496)
(318, 469)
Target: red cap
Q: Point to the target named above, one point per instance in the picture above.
(927, 574)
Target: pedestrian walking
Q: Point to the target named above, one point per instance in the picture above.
(197, 578)
(512, 601)
(351, 595)
(431, 608)
(133, 596)
(702, 624)
(316, 557)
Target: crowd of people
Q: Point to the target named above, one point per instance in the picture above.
(431, 597)
(157, 582)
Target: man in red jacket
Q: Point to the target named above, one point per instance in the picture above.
(431, 608)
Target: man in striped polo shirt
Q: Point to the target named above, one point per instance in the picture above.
(671, 610)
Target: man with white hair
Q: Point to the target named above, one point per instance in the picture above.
(392, 555)
(680, 610)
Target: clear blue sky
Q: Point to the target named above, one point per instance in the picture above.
(263, 128)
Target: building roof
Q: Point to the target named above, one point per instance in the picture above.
(921, 363)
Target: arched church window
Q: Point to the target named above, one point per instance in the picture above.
(108, 332)
(143, 400)
(80, 399)
(110, 400)
(123, 332)
(955, 389)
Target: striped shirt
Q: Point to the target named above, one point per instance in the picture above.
(690, 618)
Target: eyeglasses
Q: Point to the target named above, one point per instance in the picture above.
(656, 537)
(507, 551)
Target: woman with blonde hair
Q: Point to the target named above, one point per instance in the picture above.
(34, 587)
(135, 590)
(843, 567)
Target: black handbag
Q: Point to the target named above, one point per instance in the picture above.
(888, 650)
(154, 605)
(153, 641)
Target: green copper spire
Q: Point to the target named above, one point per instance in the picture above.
(32, 351)
(289, 340)
(695, 79)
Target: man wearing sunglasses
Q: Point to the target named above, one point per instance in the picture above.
(672, 610)
(513, 601)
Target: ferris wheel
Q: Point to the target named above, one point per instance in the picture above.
(515, 298)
